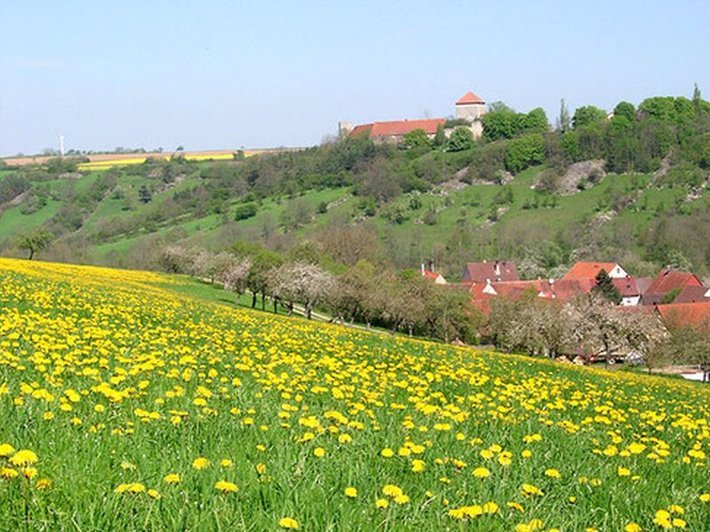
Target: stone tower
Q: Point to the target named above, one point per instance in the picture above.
(471, 107)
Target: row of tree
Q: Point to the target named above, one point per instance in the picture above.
(400, 301)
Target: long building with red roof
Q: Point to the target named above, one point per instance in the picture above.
(469, 108)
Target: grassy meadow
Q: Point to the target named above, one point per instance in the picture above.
(128, 404)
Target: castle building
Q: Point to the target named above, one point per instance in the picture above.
(469, 108)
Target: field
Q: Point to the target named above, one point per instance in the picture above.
(126, 404)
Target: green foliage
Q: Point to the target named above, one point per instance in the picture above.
(34, 242)
(461, 139)
(625, 110)
(587, 115)
(670, 296)
(524, 151)
(417, 138)
(245, 211)
(605, 287)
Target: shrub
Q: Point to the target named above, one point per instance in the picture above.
(245, 211)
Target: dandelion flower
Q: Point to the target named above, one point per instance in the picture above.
(226, 487)
(552, 473)
(351, 492)
(381, 503)
(481, 472)
(632, 527)
(289, 523)
(401, 499)
(387, 453)
(154, 494)
(43, 484)
(6, 450)
(23, 457)
(201, 463)
(172, 478)
(319, 452)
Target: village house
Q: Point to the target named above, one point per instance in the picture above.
(469, 108)
(668, 282)
(589, 270)
(497, 270)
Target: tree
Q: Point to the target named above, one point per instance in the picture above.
(417, 138)
(34, 242)
(688, 344)
(439, 137)
(144, 195)
(303, 283)
(608, 330)
(461, 139)
(535, 121)
(625, 110)
(564, 123)
(352, 293)
(587, 115)
(234, 275)
(451, 316)
(524, 151)
(605, 287)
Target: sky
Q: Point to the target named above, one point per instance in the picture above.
(230, 74)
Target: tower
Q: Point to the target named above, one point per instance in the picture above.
(471, 108)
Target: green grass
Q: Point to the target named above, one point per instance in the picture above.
(176, 377)
(13, 222)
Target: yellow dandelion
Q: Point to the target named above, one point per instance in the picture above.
(552, 473)
(6, 450)
(381, 503)
(172, 478)
(481, 472)
(289, 523)
(226, 487)
(319, 452)
(351, 492)
(201, 463)
(23, 457)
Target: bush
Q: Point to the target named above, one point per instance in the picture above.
(245, 211)
(524, 151)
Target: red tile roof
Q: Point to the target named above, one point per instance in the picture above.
(693, 294)
(398, 128)
(588, 270)
(470, 98)
(498, 270)
(685, 314)
(667, 281)
(627, 286)
(558, 290)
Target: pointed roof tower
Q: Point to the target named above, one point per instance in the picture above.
(470, 98)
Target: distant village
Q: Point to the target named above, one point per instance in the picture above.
(676, 296)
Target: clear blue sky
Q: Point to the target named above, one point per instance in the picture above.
(219, 74)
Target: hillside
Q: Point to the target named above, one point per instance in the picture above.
(125, 402)
(630, 189)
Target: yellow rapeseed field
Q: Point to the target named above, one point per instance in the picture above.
(125, 405)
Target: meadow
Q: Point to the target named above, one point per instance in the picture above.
(126, 404)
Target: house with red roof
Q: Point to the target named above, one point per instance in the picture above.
(693, 294)
(497, 270)
(437, 278)
(562, 290)
(686, 315)
(631, 289)
(666, 282)
(469, 108)
(589, 270)
(394, 131)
